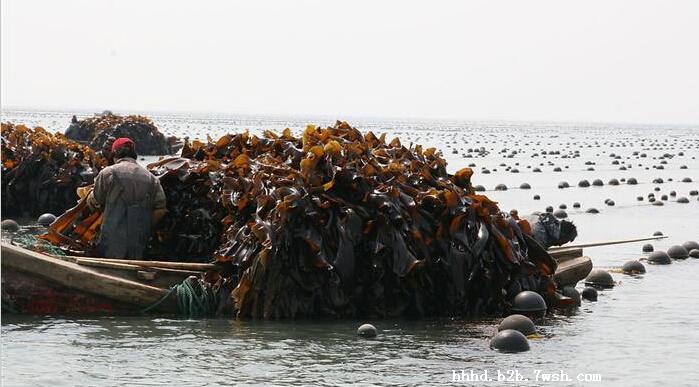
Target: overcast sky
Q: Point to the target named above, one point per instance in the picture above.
(631, 61)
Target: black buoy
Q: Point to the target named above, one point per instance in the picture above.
(597, 183)
(658, 233)
(501, 187)
(560, 214)
(479, 188)
(549, 208)
(648, 248)
(694, 253)
(537, 197)
(509, 341)
(46, 219)
(576, 205)
(571, 292)
(10, 225)
(600, 279)
(633, 267)
(677, 252)
(589, 294)
(682, 200)
(613, 182)
(583, 183)
(366, 330)
(659, 258)
(691, 245)
(592, 211)
(563, 184)
(529, 303)
(525, 186)
(632, 181)
(609, 202)
(519, 323)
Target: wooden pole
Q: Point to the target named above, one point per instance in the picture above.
(157, 264)
(607, 243)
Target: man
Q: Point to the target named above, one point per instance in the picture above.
(132, 200)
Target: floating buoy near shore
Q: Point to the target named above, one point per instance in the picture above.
(10, 225)
(677, 252)
(659, 258)
(529, 303)
(599, 278)
(509, 341)
(647, 248)
(571, 292)
(518, 322)
(46, 219)
(691, 245)
(367, 331)
(589, 294)
(633, 267)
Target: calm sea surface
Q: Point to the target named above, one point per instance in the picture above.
(641, 333)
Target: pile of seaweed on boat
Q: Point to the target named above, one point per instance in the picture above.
(95, 131)
(41, 171)
(344, 224)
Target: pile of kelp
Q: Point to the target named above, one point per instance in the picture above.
(337, 223)
(41, 171)
(95, 131)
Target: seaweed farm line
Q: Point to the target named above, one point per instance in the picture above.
(636, 334)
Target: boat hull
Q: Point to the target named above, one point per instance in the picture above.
(34, 283)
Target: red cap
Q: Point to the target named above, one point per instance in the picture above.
(122, 142)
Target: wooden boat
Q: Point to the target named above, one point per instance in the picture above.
(573, 266)
(35, 283)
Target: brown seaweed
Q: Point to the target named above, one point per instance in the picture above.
(41, 171)
(337, 223)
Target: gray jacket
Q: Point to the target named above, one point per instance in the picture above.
(128, 193)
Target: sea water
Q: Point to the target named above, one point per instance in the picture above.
(642, 332)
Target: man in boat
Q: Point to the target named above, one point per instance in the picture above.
(132, 201)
